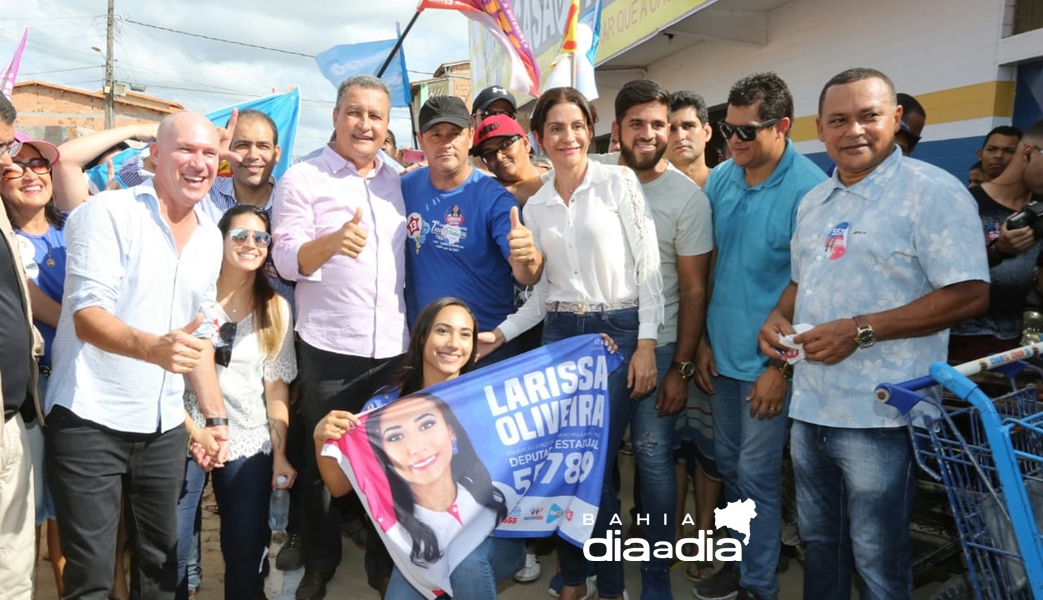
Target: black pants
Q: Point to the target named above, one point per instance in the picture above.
(88, 467)
(329, 381)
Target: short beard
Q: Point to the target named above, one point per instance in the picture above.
(630, 159)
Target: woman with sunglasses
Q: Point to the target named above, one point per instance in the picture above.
(255, 363)
(601, 276)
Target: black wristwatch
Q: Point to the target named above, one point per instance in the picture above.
(865, 337)
(217, 422)
(686, 368)
(782, 365)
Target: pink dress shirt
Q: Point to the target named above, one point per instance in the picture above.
(352, 306)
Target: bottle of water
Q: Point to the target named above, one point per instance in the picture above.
(279, 509)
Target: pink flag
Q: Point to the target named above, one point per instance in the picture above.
(498, 17)
(8, 75)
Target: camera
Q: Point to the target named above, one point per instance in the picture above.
(1029, 217)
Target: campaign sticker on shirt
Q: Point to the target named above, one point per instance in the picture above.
(416, 229)
(28, 253)
(836, 241)
(454, 217)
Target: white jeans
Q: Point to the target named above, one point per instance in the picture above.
(17, 514)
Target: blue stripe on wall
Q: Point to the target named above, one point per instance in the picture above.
(955, 156)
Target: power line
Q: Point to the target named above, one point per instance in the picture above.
(206, 37)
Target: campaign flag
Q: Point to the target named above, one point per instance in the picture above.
(498, 17)
(521, 443)
(284, 109)
(9, 74)
(340, 62)
(580, 45)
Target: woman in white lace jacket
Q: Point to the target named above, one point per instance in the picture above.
(600, 275)
(255, 362)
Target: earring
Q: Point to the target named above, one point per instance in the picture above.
(456, 450)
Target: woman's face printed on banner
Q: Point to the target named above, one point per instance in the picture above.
(417, 441)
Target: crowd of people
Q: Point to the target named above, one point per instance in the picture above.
(184, 326)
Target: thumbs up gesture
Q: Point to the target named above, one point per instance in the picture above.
(352, 237)
(179, 351)
(526, 260)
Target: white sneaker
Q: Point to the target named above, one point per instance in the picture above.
(531, 570)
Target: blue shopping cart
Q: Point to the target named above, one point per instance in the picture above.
(989, 455)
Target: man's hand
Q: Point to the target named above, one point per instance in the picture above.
(769, 395)
(1014, 241)
(768, 338)
(641, 376)
(705, 367)
(224, 142)
(523, 247)
(224, 445)
(112, 184)
(179, 351)
(488, 342)
(829, 343)
(351, 237)
(673, 394)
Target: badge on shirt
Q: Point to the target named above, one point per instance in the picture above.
(28, 253)
(417, 229)
(836, 241)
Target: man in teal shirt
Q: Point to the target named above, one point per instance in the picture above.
(754, 197)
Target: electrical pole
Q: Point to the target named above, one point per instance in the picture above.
(110, 108)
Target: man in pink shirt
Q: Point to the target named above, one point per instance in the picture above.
(340, 228)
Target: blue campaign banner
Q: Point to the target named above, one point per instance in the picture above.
(284, 109)
(518, 447)
(340, 62)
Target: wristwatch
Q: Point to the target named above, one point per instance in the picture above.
(782, 365)
(217, 421)
(687, 369)
(865, 337)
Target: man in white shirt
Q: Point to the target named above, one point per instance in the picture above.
(681, 213)
(141, 264)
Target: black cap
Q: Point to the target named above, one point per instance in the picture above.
(492, 94)
(444, 109)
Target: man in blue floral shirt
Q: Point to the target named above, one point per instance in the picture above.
(886, 256)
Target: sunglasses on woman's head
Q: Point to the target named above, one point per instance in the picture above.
(746, 133)
(226, 335)
(40, 166)
(261, 238)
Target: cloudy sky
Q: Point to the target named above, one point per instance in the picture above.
(204, 75)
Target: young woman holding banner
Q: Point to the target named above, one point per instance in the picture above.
(441, 348)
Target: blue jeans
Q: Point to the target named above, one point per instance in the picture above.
(494, 560)
(652, 437)
(622, 325)
(855, 490)
(243, 488)
(749, 458)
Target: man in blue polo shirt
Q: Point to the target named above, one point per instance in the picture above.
(754, 198)
(465, 237)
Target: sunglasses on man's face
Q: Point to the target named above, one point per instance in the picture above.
(40, 166)
(261, 238)
(226, 337)
(746, 133)
(485, 114)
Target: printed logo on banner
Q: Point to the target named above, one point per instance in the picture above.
(736, 516)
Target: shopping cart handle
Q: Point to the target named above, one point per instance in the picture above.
(904, 396)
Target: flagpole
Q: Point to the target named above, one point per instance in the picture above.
(398, 44)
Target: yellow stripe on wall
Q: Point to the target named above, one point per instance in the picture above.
(981, 100)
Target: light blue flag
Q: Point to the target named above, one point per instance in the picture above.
(592, 19)
(284, 109)
(340, 62)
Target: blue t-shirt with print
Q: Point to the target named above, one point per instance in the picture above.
(44, 262)
(457, 246)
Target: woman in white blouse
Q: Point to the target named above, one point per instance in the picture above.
(255, 363)
(601, 275)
